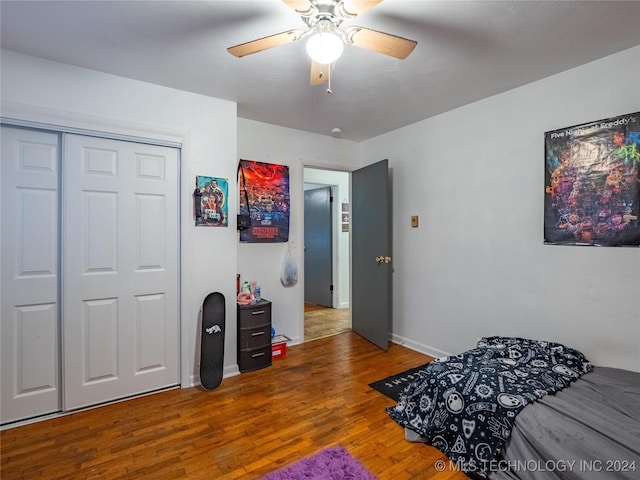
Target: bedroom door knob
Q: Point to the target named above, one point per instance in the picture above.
(383, 260)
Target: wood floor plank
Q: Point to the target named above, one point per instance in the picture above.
(316, 397)
(320, 322)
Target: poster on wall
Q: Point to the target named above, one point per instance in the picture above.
(592, 183)
(267, 192)
(210, 199)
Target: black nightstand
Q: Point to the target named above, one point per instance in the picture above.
(254, 336)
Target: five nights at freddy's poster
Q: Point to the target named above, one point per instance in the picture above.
(592, 183)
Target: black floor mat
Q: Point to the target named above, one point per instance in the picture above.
(393, 386)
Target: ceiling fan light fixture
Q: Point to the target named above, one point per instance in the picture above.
(325, 47)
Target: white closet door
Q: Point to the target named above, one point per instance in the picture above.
(120, 269)
(29, 314)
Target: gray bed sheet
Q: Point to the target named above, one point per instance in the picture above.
(590, 430)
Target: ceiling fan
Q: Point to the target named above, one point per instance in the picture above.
(326, 39)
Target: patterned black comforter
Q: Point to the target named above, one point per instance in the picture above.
(465, 404)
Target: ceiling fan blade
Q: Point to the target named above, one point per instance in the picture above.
(380, 42)
(302, 7)
(266, 42)
(353, 8)
(319, 73)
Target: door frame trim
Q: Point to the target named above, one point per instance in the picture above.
(20, 115)
(61, 129)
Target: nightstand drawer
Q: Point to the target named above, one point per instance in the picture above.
(255, 337)
(255, 316)
(255, 359)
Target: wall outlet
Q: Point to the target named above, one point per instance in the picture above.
(415, 221)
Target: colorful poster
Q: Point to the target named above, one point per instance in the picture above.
(267, 192)
(592, 183)
(210, 197)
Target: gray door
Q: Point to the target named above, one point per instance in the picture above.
(371, 253)
(318, 258)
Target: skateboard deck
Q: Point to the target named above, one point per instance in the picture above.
(212, 341)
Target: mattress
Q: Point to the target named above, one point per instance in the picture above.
(590, 430)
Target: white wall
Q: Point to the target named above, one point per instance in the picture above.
(263, 262)
(38, 90)
(477, 264)
(475, 175)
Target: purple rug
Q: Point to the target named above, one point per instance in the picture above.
(334, 463)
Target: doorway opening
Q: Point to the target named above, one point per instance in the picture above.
(326, 253)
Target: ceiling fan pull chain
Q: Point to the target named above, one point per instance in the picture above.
(329, 74)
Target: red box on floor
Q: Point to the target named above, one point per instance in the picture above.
(279, 346)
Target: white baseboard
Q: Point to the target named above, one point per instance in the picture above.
(227, 372)
(233, 370)
(418, 347)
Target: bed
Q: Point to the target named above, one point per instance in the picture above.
(515, 408)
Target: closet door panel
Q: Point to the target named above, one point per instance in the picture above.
(29, 274)
(120, 287)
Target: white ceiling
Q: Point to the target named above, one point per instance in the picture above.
(467, 50)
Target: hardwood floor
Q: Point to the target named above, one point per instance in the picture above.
(316, 397)
(320, 322)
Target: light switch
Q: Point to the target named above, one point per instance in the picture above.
(414, 221)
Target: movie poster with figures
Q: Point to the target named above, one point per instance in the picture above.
(267, 188)
(210, 197)
(592, 183)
